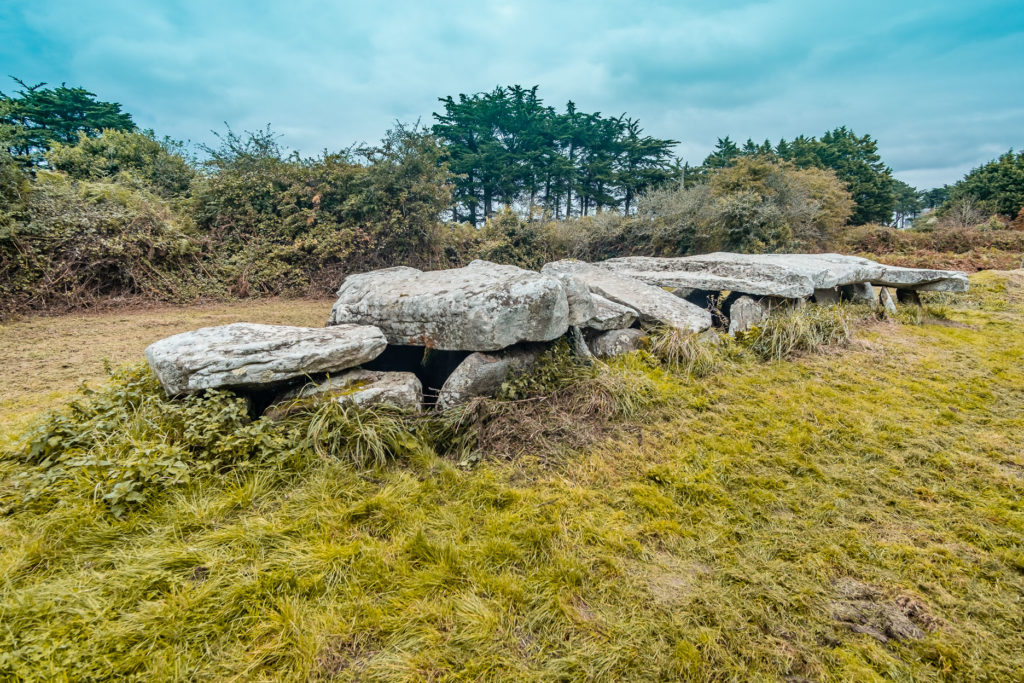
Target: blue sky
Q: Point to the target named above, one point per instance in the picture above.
(939, 84)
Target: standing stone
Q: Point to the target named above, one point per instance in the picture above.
(482, 307)
(617, 342)
(885, 299)
(358, 387)
(745, 313)
(482, 374)
(908, 296)
(826, 297)
(652, 304)
(861, 292)
(252, 356)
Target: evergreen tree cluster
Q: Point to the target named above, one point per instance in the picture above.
(37, 117)
(509, 150)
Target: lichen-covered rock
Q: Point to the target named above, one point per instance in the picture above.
(252, 356)
(581, 302)
(358, 387)
(652, 304)
(712, 272)
(745, 313)
(786, 275)
(482, 374)
(482, 307)
(617, 342)
(609, 315)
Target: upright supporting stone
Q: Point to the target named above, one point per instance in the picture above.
(908, 296)
(861, 292)
(744, 313)
(826, 297)
(885, 299)
(579, 344)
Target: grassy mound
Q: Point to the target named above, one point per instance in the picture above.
(853, 515)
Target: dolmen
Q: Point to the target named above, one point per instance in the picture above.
(411, 338)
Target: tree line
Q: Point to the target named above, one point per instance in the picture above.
(91, 206)
(507, 149)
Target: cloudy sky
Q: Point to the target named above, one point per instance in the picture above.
(939, 84)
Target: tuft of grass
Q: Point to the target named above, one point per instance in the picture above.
(798, 329)
(370, 436)
(692, 354)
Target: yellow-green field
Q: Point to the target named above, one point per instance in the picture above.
(856, 514)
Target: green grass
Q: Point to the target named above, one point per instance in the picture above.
(710, 529)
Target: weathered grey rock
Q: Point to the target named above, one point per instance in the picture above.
(652, 304)
(860, 292)
(908, 296)
(248, 355)
(358, 387)
(786, 275)
(579, 345)
(745, 313)
(617, 342)
(827, 296)
(482, 374)
(885, 299)
(581, 303)
(922, 279)
(713, 272)
(482, 307)
(609, 315)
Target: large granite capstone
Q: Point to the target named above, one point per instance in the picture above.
(651, 303)
(482, 307)
(791, 276)
(249, 356)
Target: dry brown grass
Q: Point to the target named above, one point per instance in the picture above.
(45, 358)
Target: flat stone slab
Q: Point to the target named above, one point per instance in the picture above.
(651, 303)
(249, 355)
(482, 307)
(712, 274)
(785, 275)
(358, 387)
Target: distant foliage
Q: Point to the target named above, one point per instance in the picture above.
(854, 159)
(295, 225)
(996, 187)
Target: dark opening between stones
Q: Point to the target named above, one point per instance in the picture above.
(431, 366)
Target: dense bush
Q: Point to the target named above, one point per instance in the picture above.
(133, 158)
(292, 225)
(755, 205)
(74, 243)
